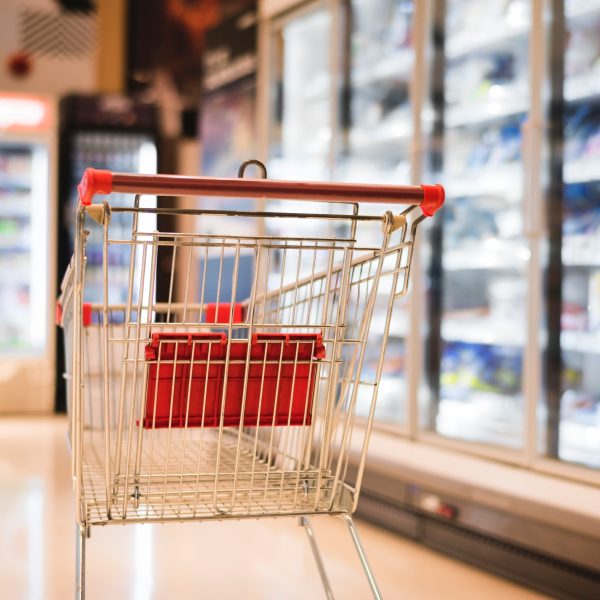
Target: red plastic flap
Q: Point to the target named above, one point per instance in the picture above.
(94, 181)
(433, 199)
(86, 315)
(59, 313)
(220, 313)
(183, 342)
(309, 344)
(278, 383)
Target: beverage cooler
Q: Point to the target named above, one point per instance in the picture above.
(27, 252)
(119, 134)
(493, 353)
(491, 373)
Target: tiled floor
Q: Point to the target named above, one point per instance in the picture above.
(248, 560)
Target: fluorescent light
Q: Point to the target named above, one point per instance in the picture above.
(22, 112)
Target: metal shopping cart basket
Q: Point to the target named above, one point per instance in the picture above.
(247, 390)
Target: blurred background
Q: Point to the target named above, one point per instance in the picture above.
(487, 436)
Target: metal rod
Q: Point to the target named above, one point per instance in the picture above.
(363, 557)
(263, 214)
(305, 522)
(81, 534)
(176, 185)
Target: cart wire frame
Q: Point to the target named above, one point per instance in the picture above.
(210, 405)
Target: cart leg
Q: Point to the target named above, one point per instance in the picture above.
(363, 557)
(82, 533)
(305, 522)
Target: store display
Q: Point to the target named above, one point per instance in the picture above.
(579, 400)
(479, 121)
(27, 258)
(15, 239)
(481, 288)
(113, 133)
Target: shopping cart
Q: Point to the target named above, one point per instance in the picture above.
(248, 389)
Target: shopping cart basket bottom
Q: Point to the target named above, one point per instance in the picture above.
(194, 489)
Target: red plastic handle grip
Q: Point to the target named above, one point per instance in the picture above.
(429, 197)
(94, 181)
(433, 199)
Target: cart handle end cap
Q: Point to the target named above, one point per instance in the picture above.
(433, 199)
(94, 181)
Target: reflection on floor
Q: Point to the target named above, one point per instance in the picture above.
(253, 560)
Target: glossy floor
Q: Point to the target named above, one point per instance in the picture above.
(248, 560)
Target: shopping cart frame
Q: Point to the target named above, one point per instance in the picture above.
(428, 198)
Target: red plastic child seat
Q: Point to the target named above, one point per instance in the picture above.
(186, 379)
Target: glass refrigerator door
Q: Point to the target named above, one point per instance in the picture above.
(578, 437)
(125, 153)
(478, 287)
(377, 151)
(380, 125)
(300, 120)
(300, 126)
(23, 248)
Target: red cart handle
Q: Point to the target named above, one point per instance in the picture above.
(429, 197)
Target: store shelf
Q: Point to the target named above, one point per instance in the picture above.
(490, 109)
(14, 249)
(382, 139)
(484, 330)
(399, 324)
(488, 254)
(318, 91)
(504, 181)
(583, 87)
(10, 183)
(580, 341)
(486, 417)
(391, 401)
(355, 170)
(16, 208)
(391, 68)
(582, 10)
(581, 251)
(582, 170)
(580, 443)
(485, 39)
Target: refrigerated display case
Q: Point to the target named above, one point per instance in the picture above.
(470, 453)
(478, 340)
(104, 132)
(338, 107)
(27, 256)
(472, 456)
(376, 148)
(457, 91)
(578, 437)
(119, 134)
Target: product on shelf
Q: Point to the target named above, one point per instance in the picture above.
(582, 132)
(477, 367)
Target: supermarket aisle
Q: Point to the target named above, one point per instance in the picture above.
(191, 561)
